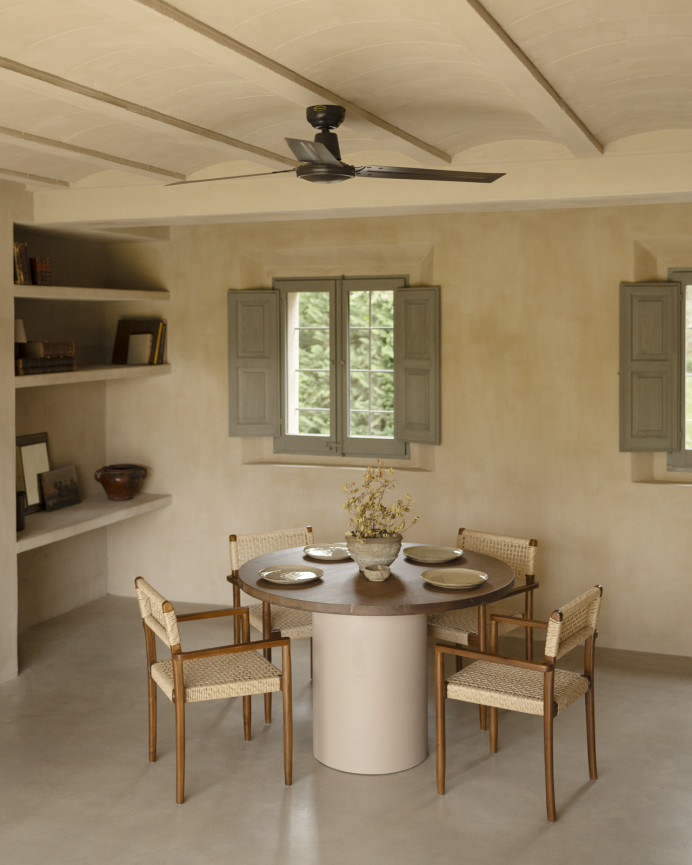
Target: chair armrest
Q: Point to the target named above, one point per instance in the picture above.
(517, 620)
(213, 614)
(518, 590)
(236, 648)
(494, 659)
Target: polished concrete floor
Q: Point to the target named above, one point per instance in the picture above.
(76, 787)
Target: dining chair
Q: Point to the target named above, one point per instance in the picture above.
(536, 688)
(468, 626)
(264, 617)
(237, 670)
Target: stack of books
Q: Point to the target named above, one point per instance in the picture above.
(46, 356)
(140, 341)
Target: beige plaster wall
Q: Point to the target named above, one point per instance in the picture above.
(530, 406)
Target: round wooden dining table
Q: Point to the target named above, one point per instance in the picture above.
(370, 692)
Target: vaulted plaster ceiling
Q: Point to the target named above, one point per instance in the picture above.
(104, 103)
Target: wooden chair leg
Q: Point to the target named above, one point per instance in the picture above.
(549, 781)
(483, 647)
(151, 686)
(179, 751)
(286, 688)
(247, 718)
(591, 734)
(440, 742)
(266, 632)
(493, 729)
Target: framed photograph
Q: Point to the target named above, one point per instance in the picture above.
(59, 488)
(32, 460)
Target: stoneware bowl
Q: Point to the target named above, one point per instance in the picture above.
(376, 573)
(122, 481)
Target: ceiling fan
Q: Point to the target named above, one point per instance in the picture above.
(320, 160)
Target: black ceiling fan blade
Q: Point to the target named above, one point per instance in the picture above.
(397, 173)
(231, 177)
(311, 151)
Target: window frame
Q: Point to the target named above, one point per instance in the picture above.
(338, 443)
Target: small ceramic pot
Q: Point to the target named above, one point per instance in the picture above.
(122, 481)
(376, 573)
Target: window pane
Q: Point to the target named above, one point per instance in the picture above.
(359, 308)
(371, 363)
(313, 423)
(359, 345)
(382, 391)
(382, 308)
(313, 390)
(382, 348)
(372, 424)
(308, 356)
(360, 390)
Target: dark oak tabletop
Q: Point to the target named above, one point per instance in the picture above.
(344, 590)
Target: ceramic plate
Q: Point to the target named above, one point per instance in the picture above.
(290, 574)
(454, 578)
(327, 552)
(432, 555)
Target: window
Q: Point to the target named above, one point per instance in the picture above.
(656, 367)
(344, 366)
(338, 366)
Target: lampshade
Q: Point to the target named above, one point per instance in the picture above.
(19, 332)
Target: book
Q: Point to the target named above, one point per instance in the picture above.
(35, 365)
(128, 326)
(22, 269)
(139, 348)
(41, 270)
(48, 348)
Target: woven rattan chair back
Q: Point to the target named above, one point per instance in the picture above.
(246, 547)
(572, 624)
(518, 553)
(157, 613)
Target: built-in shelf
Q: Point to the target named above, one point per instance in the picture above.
(106, 372)
(70, 292)
(95, 512)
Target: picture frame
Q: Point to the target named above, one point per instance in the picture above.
(59, 488)
(32, 460)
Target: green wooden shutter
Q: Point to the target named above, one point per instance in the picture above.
(650, 360)
(417, 364)
(253, 363)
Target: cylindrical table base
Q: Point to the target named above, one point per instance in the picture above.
(369, 692)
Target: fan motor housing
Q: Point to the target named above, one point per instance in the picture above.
(325, 116)
(317, 172)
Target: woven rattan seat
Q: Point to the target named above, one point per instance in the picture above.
(525, 686)
(468, 627)
(294, 624)
(269, 618)
(237, 670)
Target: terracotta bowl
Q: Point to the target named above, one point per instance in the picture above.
(122, 481)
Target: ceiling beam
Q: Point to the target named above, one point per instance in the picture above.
(261, 69)
(52, 144)
(508, 64)
(31, 178)
(132, 108)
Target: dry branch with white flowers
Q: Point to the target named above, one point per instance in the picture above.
(369, 516)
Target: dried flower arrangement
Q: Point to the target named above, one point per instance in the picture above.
(369, 517)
